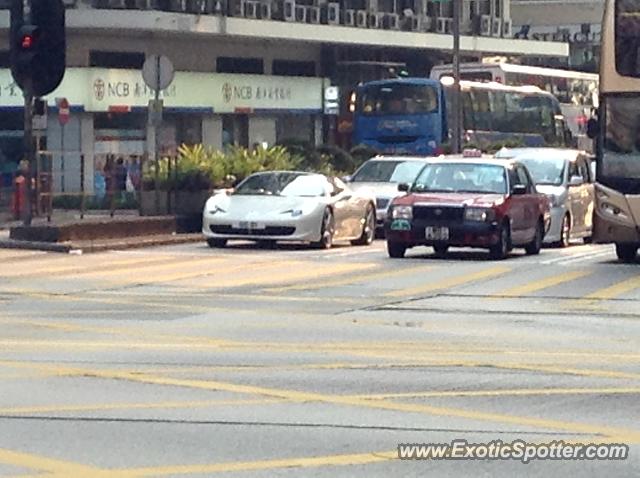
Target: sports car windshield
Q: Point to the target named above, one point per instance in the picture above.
(462, 178)
(545, 170)
(388, 172)
(283, 184)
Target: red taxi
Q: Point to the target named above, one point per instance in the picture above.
(468, 201)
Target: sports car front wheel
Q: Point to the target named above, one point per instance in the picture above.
(327, 230)
(216, 242)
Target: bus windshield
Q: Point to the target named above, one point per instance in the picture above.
(621, 149)
(398, 99)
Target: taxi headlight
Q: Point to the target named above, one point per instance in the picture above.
(401, 212)
(481, 214)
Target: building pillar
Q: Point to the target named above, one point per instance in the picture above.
(212, 131)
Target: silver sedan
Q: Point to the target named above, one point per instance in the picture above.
(290, 206)
(566, 177)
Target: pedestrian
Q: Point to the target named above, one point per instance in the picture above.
(121, 178)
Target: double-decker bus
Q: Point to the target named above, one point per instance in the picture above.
(617, 129)
(411, 115)
(576, 91)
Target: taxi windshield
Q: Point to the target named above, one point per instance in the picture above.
(462, 178)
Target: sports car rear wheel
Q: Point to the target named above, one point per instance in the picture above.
(368, 228)
(327, 230)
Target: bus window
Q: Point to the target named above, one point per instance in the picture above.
(627, 38)
(467, 111)
(481, 110)
(499, 111)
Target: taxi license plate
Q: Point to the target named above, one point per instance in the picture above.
(251, 225)
(436, 233)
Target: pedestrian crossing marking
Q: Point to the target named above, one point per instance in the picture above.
(545, 283)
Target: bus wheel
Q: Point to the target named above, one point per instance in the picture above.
(626, 252)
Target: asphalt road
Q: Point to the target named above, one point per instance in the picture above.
(248, 362)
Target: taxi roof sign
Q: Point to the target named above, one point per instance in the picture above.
(471, 153)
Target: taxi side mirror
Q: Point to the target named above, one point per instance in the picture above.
(519, 190)
(403, 187)
(592, 128)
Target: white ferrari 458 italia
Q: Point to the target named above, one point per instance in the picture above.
(290, 206)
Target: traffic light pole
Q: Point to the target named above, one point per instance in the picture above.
(28, 151)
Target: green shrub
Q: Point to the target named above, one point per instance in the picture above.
(362, 153)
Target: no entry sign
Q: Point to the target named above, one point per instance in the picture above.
(63, 111)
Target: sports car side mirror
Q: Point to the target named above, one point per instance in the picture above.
(347, 179)
(403, 187)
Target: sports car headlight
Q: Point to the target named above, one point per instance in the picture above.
(401, 212)
(294, 212)
(481, 214)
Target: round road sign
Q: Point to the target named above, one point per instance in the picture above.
(157, 72)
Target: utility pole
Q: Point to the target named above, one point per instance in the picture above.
(456, 129)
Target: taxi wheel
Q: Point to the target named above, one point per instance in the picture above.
(440, 249)
(534, 246)
(368, 228)
(500, 250)
(626, 252)
(327, 231)
(396, 250)
(215, 243)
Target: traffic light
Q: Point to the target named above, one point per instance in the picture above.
(38, 45)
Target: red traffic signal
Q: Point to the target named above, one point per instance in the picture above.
(26, 42)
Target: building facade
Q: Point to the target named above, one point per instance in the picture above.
(247, 72)
(575, 22)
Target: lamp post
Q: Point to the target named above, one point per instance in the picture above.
(456, 113)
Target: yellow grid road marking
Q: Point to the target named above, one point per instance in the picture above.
(615, 290)
(541, 284)
(49, 465)
(449, 282)
(310, 462)
(507, 392)
(133, 406)
(369, 277)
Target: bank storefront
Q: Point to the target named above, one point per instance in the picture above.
(109, 116)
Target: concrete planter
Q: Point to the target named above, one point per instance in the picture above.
(148, 203)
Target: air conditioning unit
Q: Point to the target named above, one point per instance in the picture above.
(117, 4)
(444, 25)
(374, 21)
(289, 10)
(506, 29)
(301, 14)
(485, 25)
(496, 27)
(333, 14)
(238, 8)
(362, 18)
(313, 15)
(251, 9)
(349, 18)
(391, 21)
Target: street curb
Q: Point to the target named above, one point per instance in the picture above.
(80, 247)
(35, 246)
